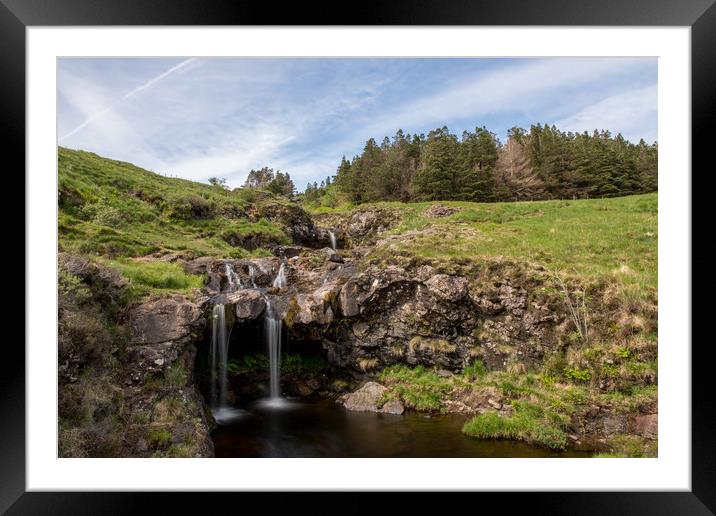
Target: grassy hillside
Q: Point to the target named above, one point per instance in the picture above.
(591, 237)
(115, 209)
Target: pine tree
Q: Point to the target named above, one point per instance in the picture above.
(438, 173)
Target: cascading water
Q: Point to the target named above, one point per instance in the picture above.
(219, 355)
(252, 275)
(280, 281)
(231, 276)
(333, 239)
(273, 327)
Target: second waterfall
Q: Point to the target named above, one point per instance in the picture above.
(273, 327)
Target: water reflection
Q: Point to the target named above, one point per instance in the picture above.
(324, 428)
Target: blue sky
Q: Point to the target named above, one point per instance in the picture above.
(197, 118)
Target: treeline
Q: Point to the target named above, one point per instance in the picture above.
(542, 163)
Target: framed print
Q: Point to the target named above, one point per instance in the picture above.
(447, 248)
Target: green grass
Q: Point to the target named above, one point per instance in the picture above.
(159, 437)
(154, 277)
(591, 238)
(530, 422)
(629, 446)
(115, 209)
(418, 388)
(541, 405)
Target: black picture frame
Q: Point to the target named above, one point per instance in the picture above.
(17, 15)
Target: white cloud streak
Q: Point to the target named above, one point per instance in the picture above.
(127, 96)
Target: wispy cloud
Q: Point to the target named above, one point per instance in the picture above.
(633, 113)
(302, 115)
(148, 84)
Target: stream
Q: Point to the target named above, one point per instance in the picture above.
(324, 428)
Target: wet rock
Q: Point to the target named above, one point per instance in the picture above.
(348, 299)
(248, 304)
(336, 258)
(316, 307)
(331, 255)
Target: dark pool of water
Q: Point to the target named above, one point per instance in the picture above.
(324, 428)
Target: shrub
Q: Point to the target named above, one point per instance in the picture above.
(159, 437)
(580, 375)
(474, 370)
(191, 206)
(106, 215)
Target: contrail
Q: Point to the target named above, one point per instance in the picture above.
(149, 83)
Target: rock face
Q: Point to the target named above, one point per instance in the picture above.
(367, 399)
(161, 351)
(424, 316)
(297, 224)
(362, 226)
(166, 319)
(142, 369)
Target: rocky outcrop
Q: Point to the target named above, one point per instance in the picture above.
(126, 384)
(159, 384)
(360, 226)
(424, 316)
(294, 220)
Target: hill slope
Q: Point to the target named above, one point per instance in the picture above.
(113, 208)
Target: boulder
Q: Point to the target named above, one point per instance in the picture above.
(287, 251)
(448, 288)
(366, 399)
(166, 319)
(248, 304)
(316, 306)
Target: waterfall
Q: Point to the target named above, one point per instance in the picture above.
(333, 239)
(273, 326)
(252, 275)
(219, 355)
(233, 278)
(280, 281)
